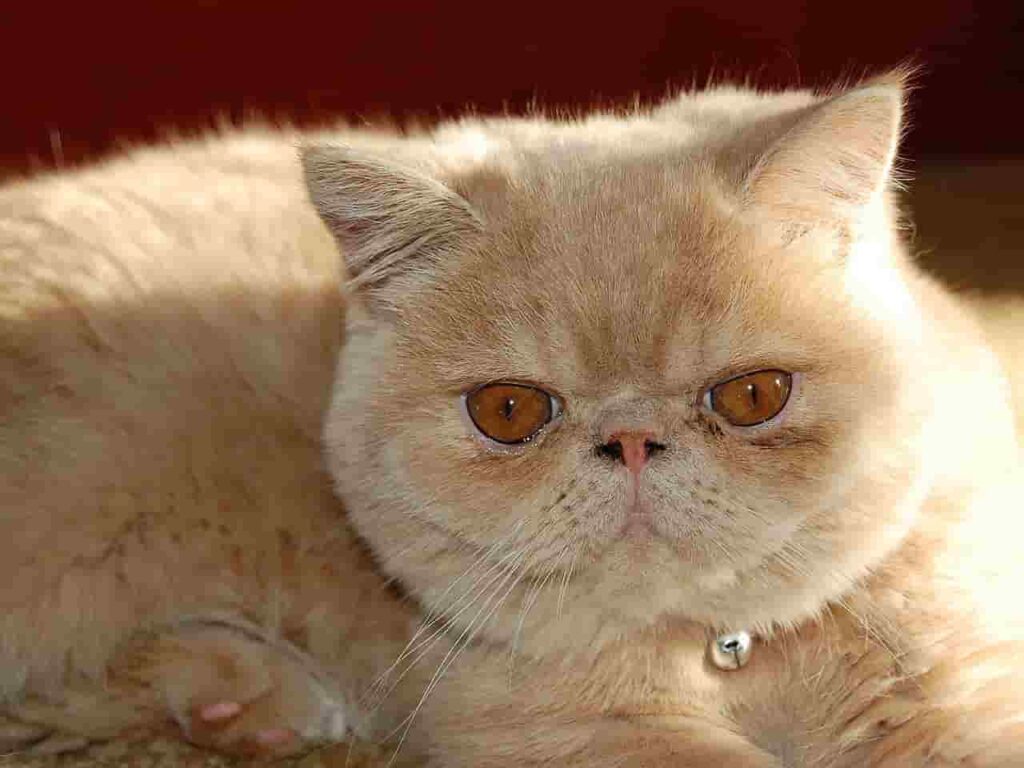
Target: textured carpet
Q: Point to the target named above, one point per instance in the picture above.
(172, 754)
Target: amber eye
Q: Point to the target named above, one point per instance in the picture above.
(752, 398)
(510, 413)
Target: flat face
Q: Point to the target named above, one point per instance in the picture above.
(652, 315)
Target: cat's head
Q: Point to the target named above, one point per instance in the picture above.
(620, 369)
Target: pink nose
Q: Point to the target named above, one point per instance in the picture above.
(632, 447)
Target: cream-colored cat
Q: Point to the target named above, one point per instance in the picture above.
(607, 388)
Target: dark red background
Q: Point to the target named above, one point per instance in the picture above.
(78, 77)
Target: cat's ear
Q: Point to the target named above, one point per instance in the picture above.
(834, 157)
(392, 224)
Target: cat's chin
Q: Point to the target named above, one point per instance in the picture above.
(638, 537)
(636, 532)
(638, 546)
(639, 577)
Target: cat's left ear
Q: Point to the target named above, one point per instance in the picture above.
(836, 157)
(393, 224)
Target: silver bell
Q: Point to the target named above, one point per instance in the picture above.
(731, 651)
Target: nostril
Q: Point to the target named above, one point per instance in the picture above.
(613, 450)
(652, 447)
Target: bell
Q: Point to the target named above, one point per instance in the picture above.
(731, 651)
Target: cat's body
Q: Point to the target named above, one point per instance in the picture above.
(128, 356)
(170, 323)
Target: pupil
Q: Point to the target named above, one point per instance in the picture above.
(752, 389)
(509, 408)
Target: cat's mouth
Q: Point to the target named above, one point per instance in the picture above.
(643, 520)
(637, 524)
(637, 528)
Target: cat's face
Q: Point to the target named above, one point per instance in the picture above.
(632, 393)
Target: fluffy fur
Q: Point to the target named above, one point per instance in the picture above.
(170, 539)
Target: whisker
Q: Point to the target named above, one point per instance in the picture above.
(437, 614)
(464, 639)
(566, 577)
(528, 603)
(423, 647)
(482, 593)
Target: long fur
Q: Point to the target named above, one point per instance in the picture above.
(233, 469)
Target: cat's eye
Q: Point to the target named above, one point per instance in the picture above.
(510, 413)
(751, 399)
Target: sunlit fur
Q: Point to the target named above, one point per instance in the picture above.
(172, 346)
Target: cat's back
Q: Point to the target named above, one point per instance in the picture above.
(169, 321)
(158, 264)
(160, 219)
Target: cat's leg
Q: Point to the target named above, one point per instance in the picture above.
(965, 711)
(229, 688)
(944, 739)
(598, 743)
(219, 684)
(692, 745)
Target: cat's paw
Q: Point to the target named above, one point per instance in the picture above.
(236, 693)
(251, 729)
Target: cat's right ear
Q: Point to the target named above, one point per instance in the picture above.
(392, 224)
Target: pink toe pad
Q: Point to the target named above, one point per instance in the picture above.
(222, 710)
(275, 736)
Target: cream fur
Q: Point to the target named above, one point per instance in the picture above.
(170, 325)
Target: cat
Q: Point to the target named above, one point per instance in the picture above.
(606, 388)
